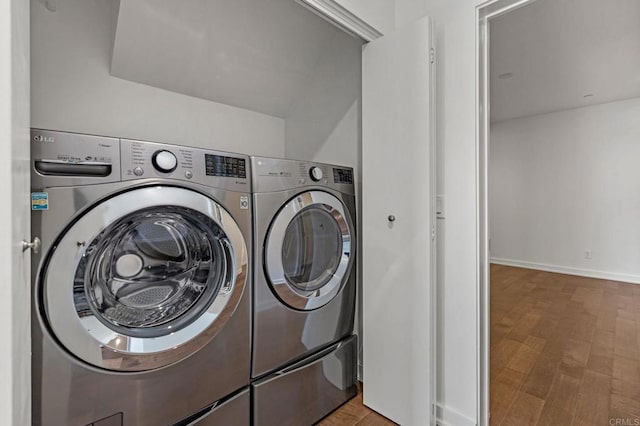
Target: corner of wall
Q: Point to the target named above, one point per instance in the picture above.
(115, 14)
(409, 10)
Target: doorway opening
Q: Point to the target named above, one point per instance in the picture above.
(559, 99)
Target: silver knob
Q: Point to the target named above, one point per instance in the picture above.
(391, 218)
(315, 173)
(34, 245)
(164, 161)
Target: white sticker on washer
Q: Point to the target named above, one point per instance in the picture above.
(244, 202)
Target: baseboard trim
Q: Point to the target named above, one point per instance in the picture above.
(446, 416)
(590, 273)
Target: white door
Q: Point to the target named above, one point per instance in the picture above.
(15, 360)
(398, 214)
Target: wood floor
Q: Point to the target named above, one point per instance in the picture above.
(565, 350)
(355, 413)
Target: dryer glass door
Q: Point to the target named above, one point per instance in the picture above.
(137, 282)
(311, 249)
(308, 252)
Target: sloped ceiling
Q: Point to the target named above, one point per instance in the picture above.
(558, 51)
(253, 54)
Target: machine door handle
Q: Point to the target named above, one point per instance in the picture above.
(34, 245)
(391, 218)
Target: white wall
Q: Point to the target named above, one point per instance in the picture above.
(15, 360)
(325, 121)
(73, 90)
(409, 10)
(456, 152)
(566, 182)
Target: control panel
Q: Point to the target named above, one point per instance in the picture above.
(68, 159)
(221, 165)
(342, 175)
(142, 159)
(146, 159)
(313, 173)
(271, 174)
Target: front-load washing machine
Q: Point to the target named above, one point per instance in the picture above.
(304, 357)
(141, 290)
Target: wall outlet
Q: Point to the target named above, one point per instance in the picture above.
(587, 254)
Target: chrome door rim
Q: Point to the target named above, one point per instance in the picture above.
(92, 341)
(295, 297)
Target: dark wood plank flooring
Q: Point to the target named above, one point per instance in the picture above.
(354, 413)
(564, 349)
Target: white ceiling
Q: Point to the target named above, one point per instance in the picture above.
(560, 50)
(253, 54)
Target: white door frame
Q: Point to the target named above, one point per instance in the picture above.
(484, 13)
(15, 286)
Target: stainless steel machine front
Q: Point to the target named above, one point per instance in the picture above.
(304, 288)
(141, 293)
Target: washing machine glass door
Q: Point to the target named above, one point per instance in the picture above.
(144, 278)
(308, 251)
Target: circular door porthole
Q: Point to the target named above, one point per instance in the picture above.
(308, 250)
(135, 284)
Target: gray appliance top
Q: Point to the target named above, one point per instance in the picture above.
(274, 174)
(72, 159)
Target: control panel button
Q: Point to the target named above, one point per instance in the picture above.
(188, 174)
(164, 161)
(315, 173)
(138, 171)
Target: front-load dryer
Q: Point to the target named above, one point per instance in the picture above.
(304, 357)
(141, 290)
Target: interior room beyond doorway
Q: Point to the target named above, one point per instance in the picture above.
(563, 196)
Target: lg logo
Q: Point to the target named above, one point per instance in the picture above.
(40, 138)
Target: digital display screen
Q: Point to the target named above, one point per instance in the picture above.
(342, 175)
(219, 165)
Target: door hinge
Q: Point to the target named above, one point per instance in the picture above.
(432, 55)
(433, 232)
